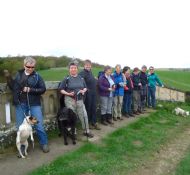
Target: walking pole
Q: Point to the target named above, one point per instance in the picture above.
(83, 116)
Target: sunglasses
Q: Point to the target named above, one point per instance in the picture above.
(30, 67)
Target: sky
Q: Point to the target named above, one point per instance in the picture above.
(127, 32)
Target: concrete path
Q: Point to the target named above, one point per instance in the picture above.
(11, 165)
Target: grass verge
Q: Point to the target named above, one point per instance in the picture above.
(124, 150)
(183, 167)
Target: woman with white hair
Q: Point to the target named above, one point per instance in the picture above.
(120, 83)
(106, 87)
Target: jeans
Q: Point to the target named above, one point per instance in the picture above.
(127, 100)
(90, 104)
(36, 112)
(152, 96)
(143, 96)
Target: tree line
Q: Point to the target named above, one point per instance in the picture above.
(43, 62)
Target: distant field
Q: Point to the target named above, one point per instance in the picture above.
(175, 79)
(57, 74)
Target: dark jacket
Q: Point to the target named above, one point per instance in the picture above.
(90, 81)
(36, 84)
(143, 78)
(103, 85)
(136, 80)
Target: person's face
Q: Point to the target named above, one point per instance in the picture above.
(29, 67)
(144, 69)
(151, 70)
(127, 74)
(73, 70)
(108, 72)
(136, 72)
(118, 69)
(88, 66)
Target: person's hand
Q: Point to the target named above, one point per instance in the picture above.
(71, 94)
(83, 91)
(110, 89)
(140, 84)
(121, 84)
(26, 89)
(162, 86)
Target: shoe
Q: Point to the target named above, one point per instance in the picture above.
(110, 121)
(89, 135)
(104, 123)
(119, 118)
(115, 119)
(127, 115)
(91, 126)
(96, 126)
(132, 115)
(45, 148)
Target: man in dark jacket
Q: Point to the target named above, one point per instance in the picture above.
(27, 87)
(90, 100)
(144, 88)
(136, 91)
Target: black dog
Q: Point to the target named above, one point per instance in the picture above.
(67, 124)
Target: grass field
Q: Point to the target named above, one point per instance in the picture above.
(175, 79)
(57, 74)
(183, 167)
(124, 150)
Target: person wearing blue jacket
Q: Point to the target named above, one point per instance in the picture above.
(153, 81)
(120, 82)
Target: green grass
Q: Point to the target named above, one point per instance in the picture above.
(175, 79)
(124, 150)
(58, 74)
(183, 167)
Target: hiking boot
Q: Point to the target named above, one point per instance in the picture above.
(45, 148)
(96, 126)
(104, 123)
(127, 115)
(110, 121)
(131, 115)
(115, 119)
(119, 118)
(89, 135)
(91, 126)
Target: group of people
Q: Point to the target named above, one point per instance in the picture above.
(120, 93)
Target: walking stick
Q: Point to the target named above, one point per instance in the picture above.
(83, 116)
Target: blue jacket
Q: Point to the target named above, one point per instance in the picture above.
(153, 80)
(118, 78)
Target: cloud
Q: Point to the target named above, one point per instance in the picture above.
(109, 32)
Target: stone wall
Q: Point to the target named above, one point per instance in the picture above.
(50, 106)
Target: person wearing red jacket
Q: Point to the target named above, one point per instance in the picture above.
(128, 89)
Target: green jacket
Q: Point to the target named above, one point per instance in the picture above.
(153, 80)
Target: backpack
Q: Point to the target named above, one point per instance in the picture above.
(62, 96)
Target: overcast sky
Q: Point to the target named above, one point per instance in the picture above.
(129, 32)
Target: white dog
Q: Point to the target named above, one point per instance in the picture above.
(179, 111)
(23, 133)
